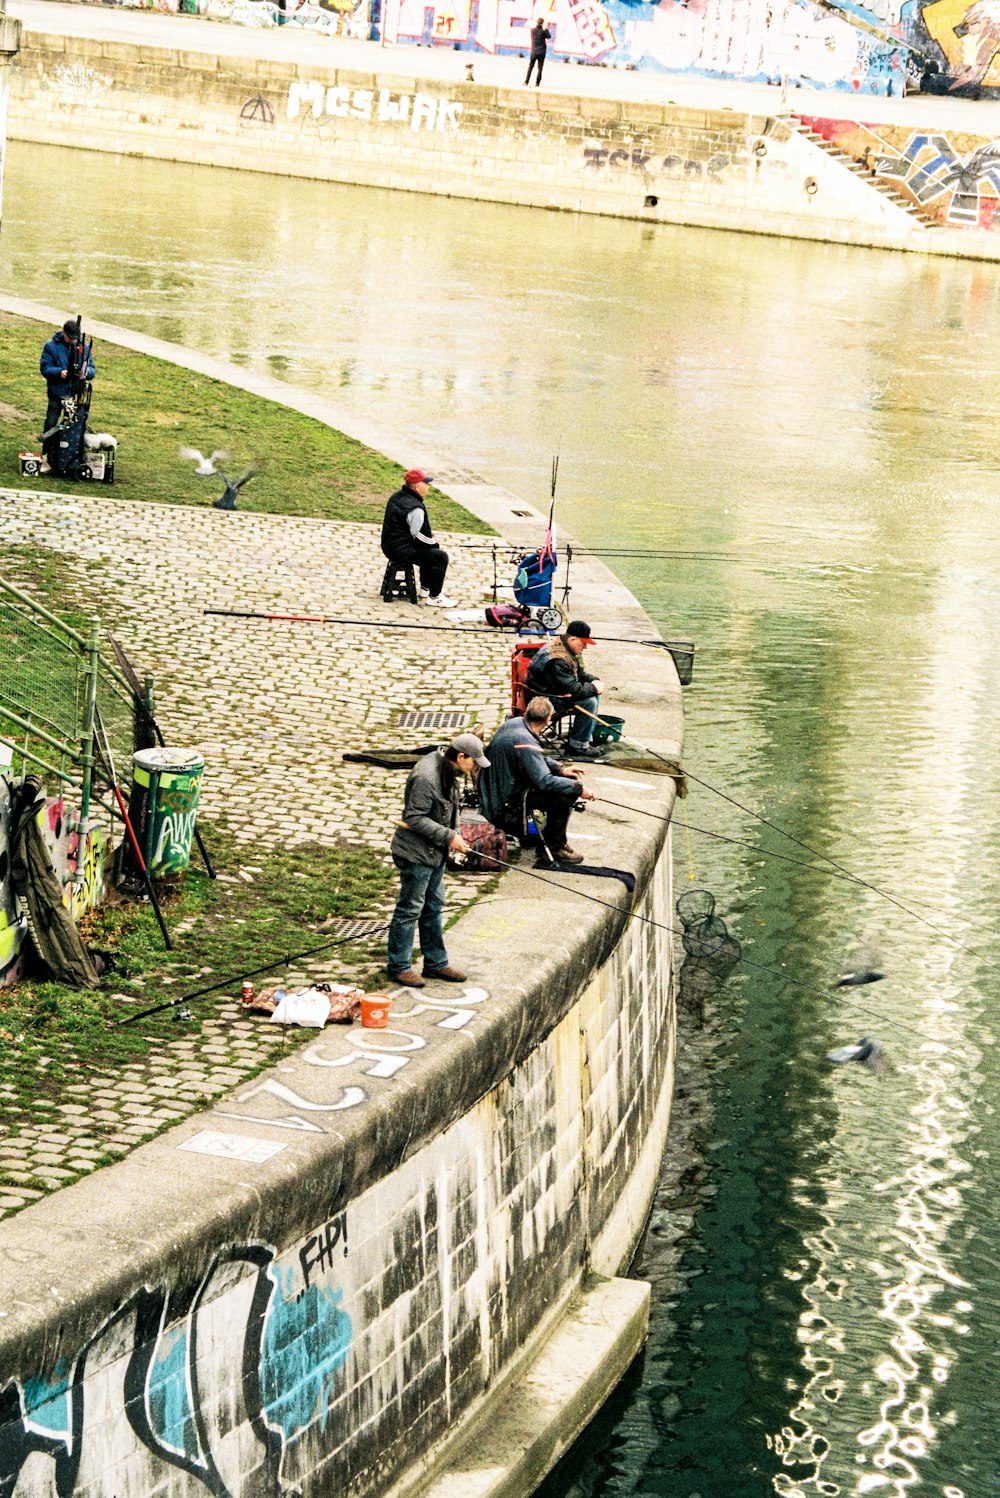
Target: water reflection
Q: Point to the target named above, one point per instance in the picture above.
(814, 426)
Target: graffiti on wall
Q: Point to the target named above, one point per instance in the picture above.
(382, 106)
(218, 1387)
(955, 178)
(381, 1054)
(12, 927)
(650, 165)
(795, 39)
(959, 41)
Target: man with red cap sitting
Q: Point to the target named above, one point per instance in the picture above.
(407, 538)
(557, 673)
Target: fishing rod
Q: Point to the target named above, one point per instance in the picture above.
(449, 629)
(736, 842)
(234, 978)
(572, 550)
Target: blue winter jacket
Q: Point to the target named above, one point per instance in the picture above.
(55, 358)
(517, 762)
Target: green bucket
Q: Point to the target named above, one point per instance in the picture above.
(609, 730)
(166, 785)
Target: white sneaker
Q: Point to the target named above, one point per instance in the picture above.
(424, 592)
(440, 602)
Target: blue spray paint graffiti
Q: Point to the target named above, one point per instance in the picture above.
(306, 1339)
(258, 1347)
(169, 1398)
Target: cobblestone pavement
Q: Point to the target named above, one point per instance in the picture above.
(271, 705)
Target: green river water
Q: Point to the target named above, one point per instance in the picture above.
(815, 427)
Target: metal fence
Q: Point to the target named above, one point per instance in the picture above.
(53, 683)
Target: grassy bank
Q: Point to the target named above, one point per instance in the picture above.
(70, 1067)
(153, 408)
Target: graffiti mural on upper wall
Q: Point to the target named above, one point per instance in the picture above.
(958, 43)
(763, 42)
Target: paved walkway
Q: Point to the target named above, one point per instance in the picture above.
(193, 33)
(271, 706)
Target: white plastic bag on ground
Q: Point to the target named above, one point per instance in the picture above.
(307, 1006)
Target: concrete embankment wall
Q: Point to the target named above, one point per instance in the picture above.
(389, 1223)
(656, 162)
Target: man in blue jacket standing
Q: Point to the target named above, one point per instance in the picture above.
(55, 366)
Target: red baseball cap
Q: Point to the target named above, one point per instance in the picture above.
(417, 476)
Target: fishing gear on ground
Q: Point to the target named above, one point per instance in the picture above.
(68, 448)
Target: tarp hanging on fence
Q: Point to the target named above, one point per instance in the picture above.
(56, 940)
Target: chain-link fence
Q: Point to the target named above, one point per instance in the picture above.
(54, 684)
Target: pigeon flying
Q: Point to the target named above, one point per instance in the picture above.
(859, 978)
(204, 467)
(228, 500)
(867, 1051)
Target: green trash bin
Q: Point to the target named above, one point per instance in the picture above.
(163, 809)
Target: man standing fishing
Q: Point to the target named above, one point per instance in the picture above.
(420, 848)
(408, 540)
(63, 367)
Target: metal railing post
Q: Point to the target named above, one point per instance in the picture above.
(87, 746)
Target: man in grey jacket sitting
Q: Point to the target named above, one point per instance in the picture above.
(420, 848)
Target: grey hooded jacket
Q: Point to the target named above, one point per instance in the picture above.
(430, 813)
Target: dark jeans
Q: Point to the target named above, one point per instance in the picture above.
(53, 411)
(583, 727)
(539, 63)
(420, 906)
(431, 563)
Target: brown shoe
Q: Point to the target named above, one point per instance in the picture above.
(409, 979)
(446, 974)
(568, 855)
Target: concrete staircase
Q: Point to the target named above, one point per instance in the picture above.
(922, 216)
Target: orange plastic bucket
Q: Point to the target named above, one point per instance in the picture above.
(375, 1011)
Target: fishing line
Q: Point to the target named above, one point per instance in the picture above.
(234, 978)
(816, 853)
(737, 842)
(760, 967)
(290, 957)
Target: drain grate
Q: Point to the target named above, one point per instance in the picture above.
(434, 717)
(356, 929)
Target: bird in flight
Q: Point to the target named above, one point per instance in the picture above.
(204, 467)
(227, 501)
